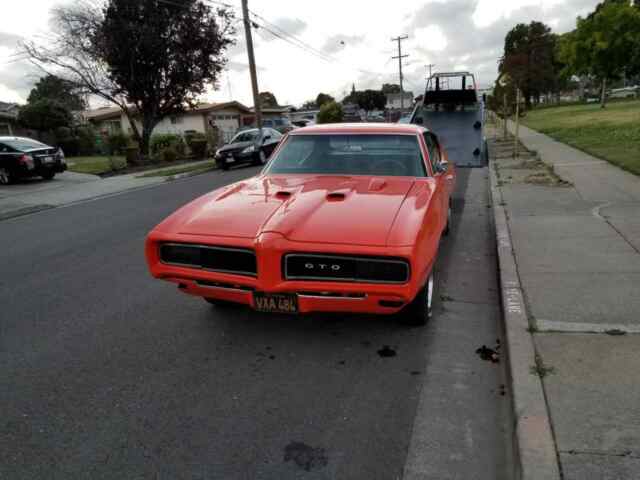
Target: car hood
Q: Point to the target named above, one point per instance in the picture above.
(356, 210)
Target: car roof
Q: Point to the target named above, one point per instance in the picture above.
(383, 128)
(4, 139)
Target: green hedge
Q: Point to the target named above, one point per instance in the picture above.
(167, 140)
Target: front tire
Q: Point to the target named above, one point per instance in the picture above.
(5, 177)
(48, 175)
(447, 227)
(420, 310)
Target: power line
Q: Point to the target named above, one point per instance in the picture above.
(400, 57)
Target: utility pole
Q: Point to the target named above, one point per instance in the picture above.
(430, 66)
(400, 57)
(252, 63)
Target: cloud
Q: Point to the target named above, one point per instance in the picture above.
(336, 43)
(9, 40)
(466, 33)
(292, 26)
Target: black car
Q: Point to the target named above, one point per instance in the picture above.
(23, 157)
(249, 146)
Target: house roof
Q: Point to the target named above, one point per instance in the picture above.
(8, 110)
(283, 109)
(107, 113)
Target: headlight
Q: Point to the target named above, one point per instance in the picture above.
(249, 149)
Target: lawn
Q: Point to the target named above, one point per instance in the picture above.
(612, 133)
(96, 165)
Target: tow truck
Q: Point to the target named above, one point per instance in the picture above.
(452, 110)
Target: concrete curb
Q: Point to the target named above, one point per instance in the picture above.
(194, 173)
(536, 457)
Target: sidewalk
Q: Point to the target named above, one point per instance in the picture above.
(70, 187)
(577, 251)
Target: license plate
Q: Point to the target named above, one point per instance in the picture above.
(229, 160)
(47, 160)
(275, 302)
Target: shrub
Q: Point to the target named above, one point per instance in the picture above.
(163, 141)
(168, 154)
(197, 143)
(86, 136)
(116, 143)
(330, 112)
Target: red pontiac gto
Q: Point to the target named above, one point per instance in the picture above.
(344, 218)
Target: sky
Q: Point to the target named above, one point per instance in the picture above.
(351, 42)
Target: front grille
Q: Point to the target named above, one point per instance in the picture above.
(218, 259)
(345, 268)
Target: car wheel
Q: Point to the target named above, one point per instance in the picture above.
(224, 166)
(447, 228)
(5, 177)
(420, 310)
(48, 175)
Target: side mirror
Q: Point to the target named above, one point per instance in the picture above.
(268, 137)
(419, 121)
(443, 166)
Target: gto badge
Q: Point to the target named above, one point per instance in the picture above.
(322, 266)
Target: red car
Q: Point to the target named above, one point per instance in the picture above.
(343, 218)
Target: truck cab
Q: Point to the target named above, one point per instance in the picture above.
(452, 109)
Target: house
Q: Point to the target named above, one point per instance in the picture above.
(225, 117)
(8, 118)
(396, 101)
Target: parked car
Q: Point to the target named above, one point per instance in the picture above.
(376, 118)
(345, 218)
(249, 146)
(304, 122)
(24, 157)
(281, 124)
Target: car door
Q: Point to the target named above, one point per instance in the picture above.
(447, 167)
(439, 174)
(272, 138)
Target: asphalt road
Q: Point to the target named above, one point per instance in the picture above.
(107, 373)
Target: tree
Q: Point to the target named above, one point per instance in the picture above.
(45, 115)
(369, 100)
(390, 88)
(323, 98)
(267, 100)
(309, 105)
(605, 44)
(352, 97)
(330, 112)
(529, 52)
(55, 88)
(152, 59)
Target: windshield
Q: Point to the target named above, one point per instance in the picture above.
(350, 154)
(23, 144)
(246, 136)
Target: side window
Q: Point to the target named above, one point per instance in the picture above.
(5, 149)
(275, 135)
(434, 154)
(436, 148)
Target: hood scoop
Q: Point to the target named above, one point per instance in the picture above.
(283, 194)
(336, 196)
